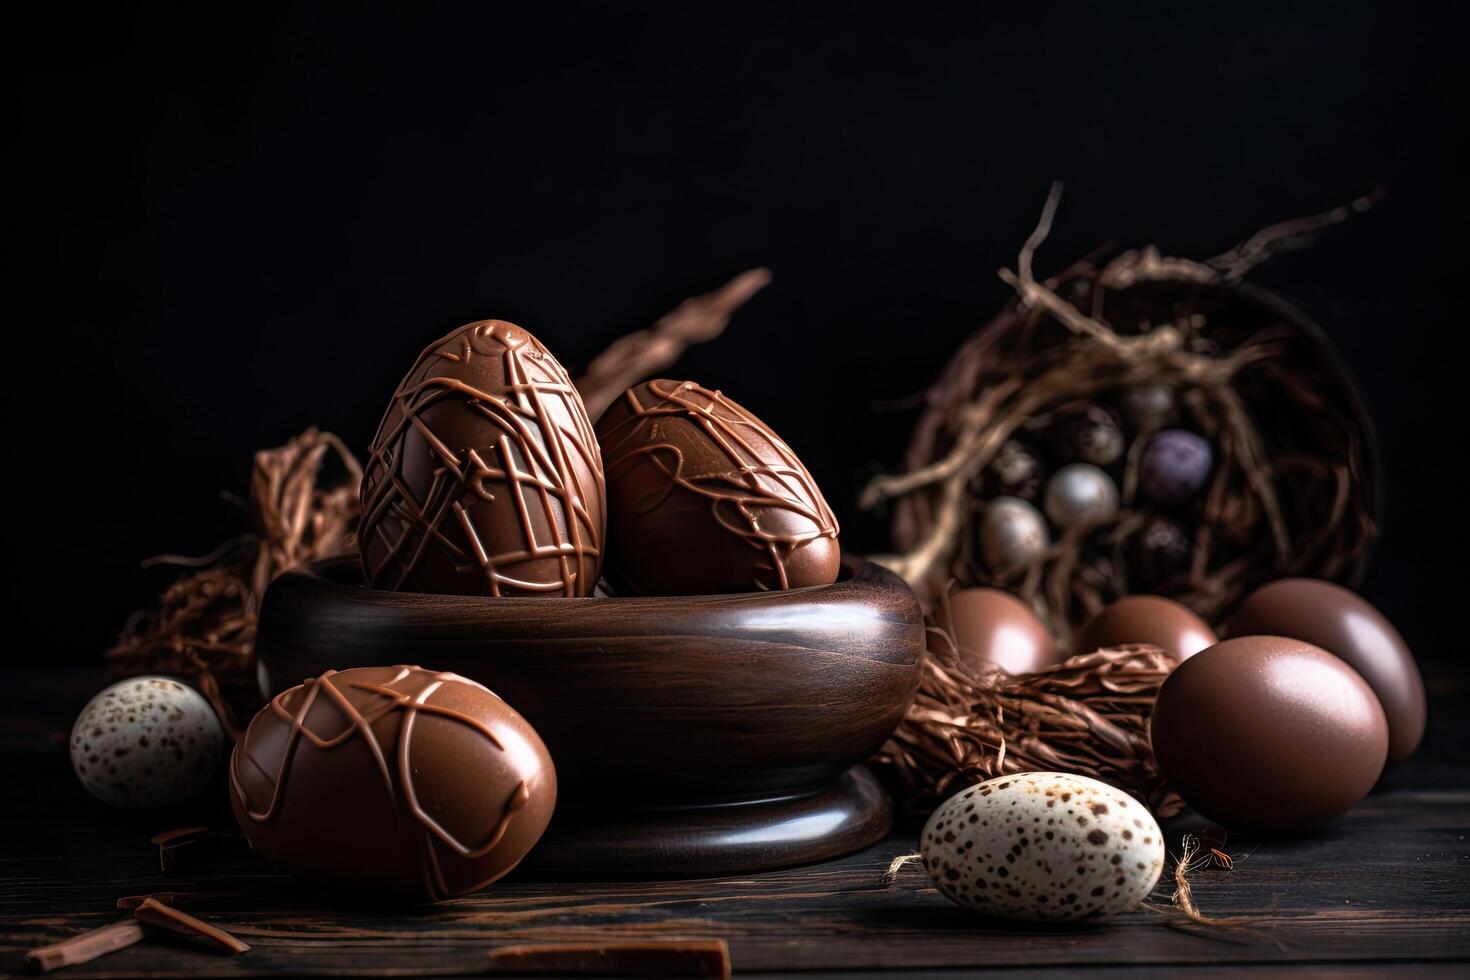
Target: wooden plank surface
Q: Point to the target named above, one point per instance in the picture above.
(1386, 885)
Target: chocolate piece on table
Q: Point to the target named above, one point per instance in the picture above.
(129, 902)
(703, 498)
(646, 958)
(174, 846)
(396, 780)
(484, 477)
(152, 912)
(86, 947)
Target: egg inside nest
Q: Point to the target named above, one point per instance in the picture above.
(1043, 846)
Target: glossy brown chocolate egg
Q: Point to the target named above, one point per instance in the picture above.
(394, 780)
(1268, 732)
(484, 477)
(704, 498)
(1146, 619)
(994, 628)
(1345, 625)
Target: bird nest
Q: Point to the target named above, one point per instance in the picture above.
(1293, 487)
(1292, 491)
(1088, 715)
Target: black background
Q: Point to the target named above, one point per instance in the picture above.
(226, 228)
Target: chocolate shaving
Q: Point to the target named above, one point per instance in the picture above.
(154, 913)
(653, 958)
(129, 902)
(178, 847)
(86, 947)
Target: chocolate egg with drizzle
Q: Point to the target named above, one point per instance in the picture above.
(484, 477)
(704, 498)
(393, 780)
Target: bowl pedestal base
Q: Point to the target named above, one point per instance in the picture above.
(852, 813)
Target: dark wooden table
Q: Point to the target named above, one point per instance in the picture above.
(1385, 887)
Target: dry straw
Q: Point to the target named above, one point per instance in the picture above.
(1088, 715)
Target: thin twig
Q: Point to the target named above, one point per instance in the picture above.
(1237, 262)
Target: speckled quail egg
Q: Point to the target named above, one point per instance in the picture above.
(147, 742)
(1043, 846)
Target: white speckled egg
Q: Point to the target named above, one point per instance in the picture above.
(1043, 846)
(146, 742)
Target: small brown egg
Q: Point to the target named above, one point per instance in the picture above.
(995, 629)
(1269, 733)
(1146, 619)
(1345, 625)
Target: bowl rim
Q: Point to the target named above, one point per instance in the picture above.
(855, 575)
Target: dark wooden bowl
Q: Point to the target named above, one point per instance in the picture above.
(691, 734)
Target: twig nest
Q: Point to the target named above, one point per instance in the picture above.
(1286, 485)
(1043, 846)
(1012, 535)
(147, 742)
(1246, 453)
(1080, 495)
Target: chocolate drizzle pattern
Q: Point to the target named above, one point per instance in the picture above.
(673, 450)
(484, 476)
(336, 710)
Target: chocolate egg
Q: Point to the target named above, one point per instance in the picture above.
(484, 477)
(396, 780)
(995, 629)
(1013, 534)
(1268, 732)
(1345, 625)
(704, 498)
(1146, 619)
